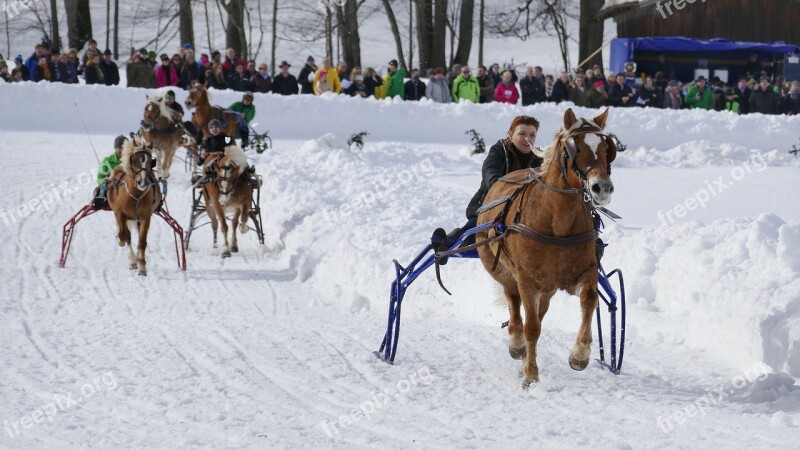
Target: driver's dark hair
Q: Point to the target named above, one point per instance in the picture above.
(520, 120)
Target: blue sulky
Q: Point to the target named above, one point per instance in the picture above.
(406, 275)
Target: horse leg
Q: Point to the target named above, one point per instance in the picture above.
(516, 343)
(226, 250)
(123, 234)
(245, 214)
(132, 262)
(212, 216)
(579, 356)
(144, 227)
(234, 225)
(532, 329)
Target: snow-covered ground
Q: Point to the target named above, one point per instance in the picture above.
(272, 348)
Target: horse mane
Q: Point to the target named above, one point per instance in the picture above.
(162, 107)
(125, 159)
(235, 154)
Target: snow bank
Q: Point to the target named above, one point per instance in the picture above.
(731, 288)
(687, 138)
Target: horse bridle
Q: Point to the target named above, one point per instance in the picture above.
(235, 180)
(571, 151)
(143, 151)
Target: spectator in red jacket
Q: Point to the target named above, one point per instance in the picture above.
(506, 91)
(230, 62)
(165, 74)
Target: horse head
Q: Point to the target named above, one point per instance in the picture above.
(154, 110)
(588, 152)
(229, 168)
(198, 95)
(138, 162)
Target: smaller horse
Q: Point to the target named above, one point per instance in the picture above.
(230, 192)
(134, 196)
(164, 133)
(200, 99)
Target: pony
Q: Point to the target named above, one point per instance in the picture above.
(200, 99)
(133, 196)
(164, 133)
(550, 244)
(229, 193)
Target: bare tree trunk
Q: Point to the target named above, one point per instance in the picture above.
(274, 35)
(329, 34)
(439, 41)
(55, 39)
(235, 37)
(208, 26)
(465, 32)
(590, 33)
(410, 34)
(186, 22)
(116, 29)
(425, 34)
(558, 19)
(79, 22)
(108, 23)
(347, 16)
(398, 41)
(8, 34)
(480, 34)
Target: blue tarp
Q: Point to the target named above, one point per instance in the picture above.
(627, 49)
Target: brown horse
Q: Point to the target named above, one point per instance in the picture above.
(553, 246)
(134, 196)
(200, 100)
(231, 193)
(164, 133)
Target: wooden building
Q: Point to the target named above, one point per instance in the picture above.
(735, 20)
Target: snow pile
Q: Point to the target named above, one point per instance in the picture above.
(113, 110)
(730, 288)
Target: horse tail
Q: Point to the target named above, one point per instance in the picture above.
(500, 298)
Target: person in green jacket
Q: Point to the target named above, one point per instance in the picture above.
(248, 111)
(466, 87)
(397, 79)
(698, 96)
(107, 166)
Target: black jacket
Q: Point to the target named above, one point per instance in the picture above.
(495, 166)
(306, 87)
(560, 91)
(617, 92)
(284, 85)
(216, 144)
(764, 102)
(110, 73)
(532, 91)
(414, 89)
(189, 73)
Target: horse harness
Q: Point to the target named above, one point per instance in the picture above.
(531, 178)
(116, 182)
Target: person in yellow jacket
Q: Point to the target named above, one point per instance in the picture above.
(331, 74)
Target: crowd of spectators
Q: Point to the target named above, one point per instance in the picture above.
(753, 92)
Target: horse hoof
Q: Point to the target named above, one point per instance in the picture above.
(518, 353)
(143, 273)
(235, 249)
(226, 254)
(526, 383)
(578, 365)
(133, 266)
